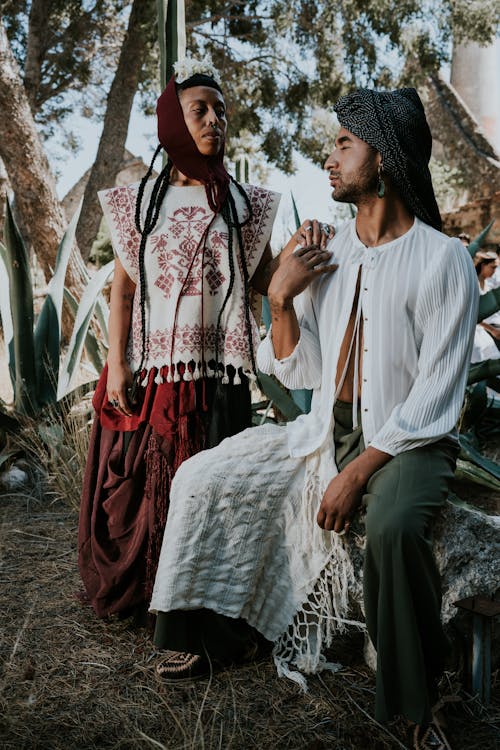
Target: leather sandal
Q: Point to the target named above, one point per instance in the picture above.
(431, 737)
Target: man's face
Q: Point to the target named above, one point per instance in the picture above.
(204, 112)
(353, 166)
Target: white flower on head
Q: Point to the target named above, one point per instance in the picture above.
(188, 67)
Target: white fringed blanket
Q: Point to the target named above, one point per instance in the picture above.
(242, 539)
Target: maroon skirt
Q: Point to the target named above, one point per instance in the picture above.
(130, 466)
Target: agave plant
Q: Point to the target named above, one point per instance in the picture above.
(34, 349)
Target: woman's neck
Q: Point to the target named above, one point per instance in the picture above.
(180, 180)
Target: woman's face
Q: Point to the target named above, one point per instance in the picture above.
(488, 269)
(205, 115)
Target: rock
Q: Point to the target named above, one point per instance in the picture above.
(13, 480)
(466, 547)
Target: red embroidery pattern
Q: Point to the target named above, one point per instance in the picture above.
(191, 340)
(262, 204)
(184, 266)
(121, 204)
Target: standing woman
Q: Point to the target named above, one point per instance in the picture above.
(190, 246)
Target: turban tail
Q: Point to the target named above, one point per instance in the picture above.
(179, 145)
(394, 123)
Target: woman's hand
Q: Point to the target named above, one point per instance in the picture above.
(119, 381)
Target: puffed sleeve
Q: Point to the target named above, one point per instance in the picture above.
(446, 315)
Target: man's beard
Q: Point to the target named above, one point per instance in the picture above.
(358, 190)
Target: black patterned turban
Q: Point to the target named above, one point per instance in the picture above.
(394, 123)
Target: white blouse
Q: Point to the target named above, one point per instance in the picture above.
(418, 303)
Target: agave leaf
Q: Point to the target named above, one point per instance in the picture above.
(483, 370)
(455, 500)
(472, 473)
(489, 304)
(5, 314)
(47, 335)
(494, 384)
(21, 306)
(69, 368)
(102, 315)
(295, 213)
(279, 397)
(477, 242)
(172, 36)
(91, 344)
(469, 452)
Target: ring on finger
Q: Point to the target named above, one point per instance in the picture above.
(114, 403)
(308, 228)
(326, 229)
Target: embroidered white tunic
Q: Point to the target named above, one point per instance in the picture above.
(187, 275)
(418, 302)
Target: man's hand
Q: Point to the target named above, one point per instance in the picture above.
(344, 493)
(297, 271)
(340, 503)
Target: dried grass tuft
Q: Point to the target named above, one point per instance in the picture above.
(55, 447)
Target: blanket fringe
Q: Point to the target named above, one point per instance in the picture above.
(324, 613)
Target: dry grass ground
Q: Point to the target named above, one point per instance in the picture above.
(70, 681)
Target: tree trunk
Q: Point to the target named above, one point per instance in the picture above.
(116, 121)
(3, 196)
(39, 212)
(36, 47)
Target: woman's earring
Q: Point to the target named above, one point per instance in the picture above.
(381, 183)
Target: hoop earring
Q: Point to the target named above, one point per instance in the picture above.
(381, 183)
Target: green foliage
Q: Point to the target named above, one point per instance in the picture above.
(21, 305)
(102, 249)
(448, 183)
(489, 303)
(34, 349)
(73, 51)
(478, 241)
(283, 62)
(68, 372)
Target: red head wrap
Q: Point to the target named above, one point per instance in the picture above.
(179, 145)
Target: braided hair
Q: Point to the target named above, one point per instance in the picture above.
(230, 215)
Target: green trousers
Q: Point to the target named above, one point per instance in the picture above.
(402, 591)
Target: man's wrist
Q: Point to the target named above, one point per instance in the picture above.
(280, 303)
(365, 465)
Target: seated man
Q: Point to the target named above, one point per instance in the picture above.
(381, 327)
